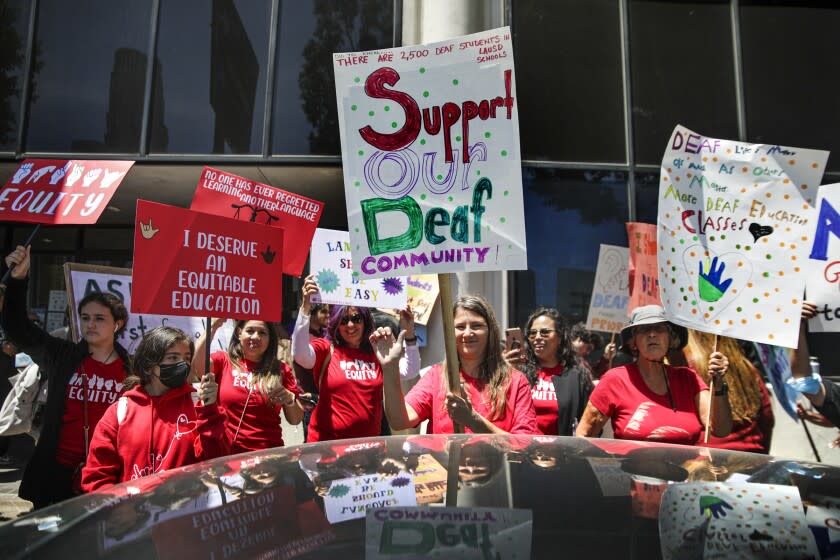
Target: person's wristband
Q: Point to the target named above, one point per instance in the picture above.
(410, 339)
(722, 390)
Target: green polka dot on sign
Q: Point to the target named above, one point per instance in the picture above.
(439, 177)
(694, 238)
(361, 152)
(423, 197)
(682, 241)
(694, 302)
(755, 300)
(394, 124)
(502, 219)
(766, 275)
(739, 309)
(422, 70)
(737, 245)
(387, 107)
(358, 183)
(478, 173)
(357, 248)
(487, 135)
(450, 199)
(356, 230)
(425, 94)
(723, 237)
(371, 113)
(353, 107)
(457, 138)
(768, 256)
(454, 82)
(510, 246)
(711, 238)
(357, 79)
(505, 193)
(422, 141)
(504, 153)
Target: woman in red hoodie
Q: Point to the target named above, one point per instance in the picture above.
(156, 425)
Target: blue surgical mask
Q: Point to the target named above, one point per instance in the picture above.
(806, 385)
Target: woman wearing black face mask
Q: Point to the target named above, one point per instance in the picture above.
(158, 424)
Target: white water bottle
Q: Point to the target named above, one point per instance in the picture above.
(815, 365)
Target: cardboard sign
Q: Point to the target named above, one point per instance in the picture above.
(429, 480)
(82, 279)
(422, 293)
(332, 265)
(735, 227)
(643, 273)
(192, 264)
(824, 522)
(351, 498)
(822, 284)
(610, 293)
(776, 363)
(232, 196)
(430, 151)
(717, 520)
(474, 532)
(60, 191)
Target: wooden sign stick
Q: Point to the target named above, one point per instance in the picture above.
(612, 340)
(452, 371)
(711, 399)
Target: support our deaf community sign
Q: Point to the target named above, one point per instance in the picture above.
(430, 150)
(194, 264)
(735, 228)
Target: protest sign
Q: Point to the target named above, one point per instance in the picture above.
(430, 150)
(824, 521)
(350, 498)
(610, 293)
(430, 480)
(422, 291)
(332, 265)
(267, 524)
(193, 264)
(643, 274)
(82, 279)
(60, 191)
(735, 226)
(777, 365)
(232, 196)
(717, 520)
(822, 284)
(450, 532)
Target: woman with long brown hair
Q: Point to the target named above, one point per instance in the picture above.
(752, 411)
(494, 397)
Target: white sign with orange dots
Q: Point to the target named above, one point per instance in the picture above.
(734, 231)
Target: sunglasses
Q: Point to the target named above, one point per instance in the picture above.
(356, 318)
(542, 332)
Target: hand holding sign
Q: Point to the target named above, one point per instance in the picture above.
(18, 261)
(208, 391)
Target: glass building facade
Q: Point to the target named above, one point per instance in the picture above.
(247, 86)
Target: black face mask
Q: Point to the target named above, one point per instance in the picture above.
(174, 375)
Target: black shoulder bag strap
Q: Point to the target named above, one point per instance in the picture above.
(567, 388)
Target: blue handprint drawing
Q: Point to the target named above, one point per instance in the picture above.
(713, 506)
(711, 284)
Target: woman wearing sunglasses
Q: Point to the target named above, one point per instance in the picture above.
(560, 386)
(649, 400)
(345, 369)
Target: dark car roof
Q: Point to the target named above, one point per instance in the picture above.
(419, 496)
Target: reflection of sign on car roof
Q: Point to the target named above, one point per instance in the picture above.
(350, 498)
(707, 520)
(404, 532)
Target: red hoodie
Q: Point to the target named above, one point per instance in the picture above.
(141, 435)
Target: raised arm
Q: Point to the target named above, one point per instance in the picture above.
(410, 362)
(302, 352)
(400, 415)
(198, 369)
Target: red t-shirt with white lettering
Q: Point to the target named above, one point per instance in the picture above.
(545, 400)
(350, 394)
(104, 385)
(638, 413)
(260, 421)
(428, 399)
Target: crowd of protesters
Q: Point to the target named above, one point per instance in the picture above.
(344, 378)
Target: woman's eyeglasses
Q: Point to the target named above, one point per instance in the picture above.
(542, 332)
(356, 318)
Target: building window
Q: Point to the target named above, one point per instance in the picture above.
(568, 80)
(791, 74)
(88, 73)
(305, 118)
(14, 25)
(568, 214)
(208, 94)
(675, 78)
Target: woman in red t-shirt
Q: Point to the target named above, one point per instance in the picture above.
(559, 390)
(752, 411)
(347, 372)
(254, 385)
(494, 397)
(648, 400)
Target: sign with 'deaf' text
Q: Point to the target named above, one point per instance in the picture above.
(734, 230)
(643, 274)
(430, 151)
(195, 264)
(60, 191)
(232, 196)
(610, 294)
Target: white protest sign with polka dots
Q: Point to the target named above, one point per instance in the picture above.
(734, 228)
(718, 520)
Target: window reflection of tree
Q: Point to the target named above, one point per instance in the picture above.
(12, 54)
(341, 26)
(593, 194)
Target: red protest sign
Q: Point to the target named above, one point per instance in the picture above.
(60, 191)
(225, 194)
(644, 276)
(200, 265)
